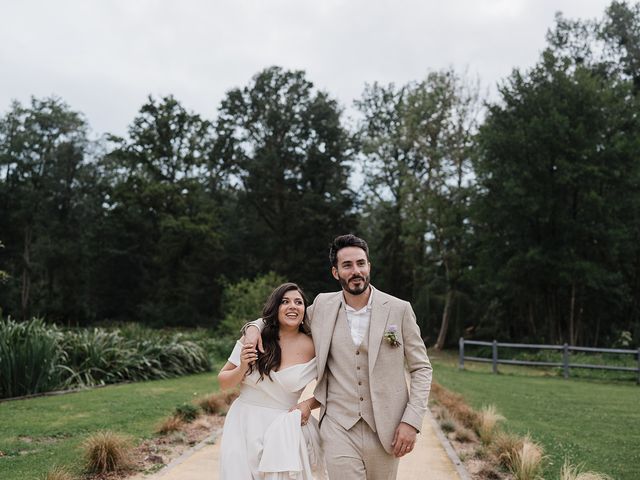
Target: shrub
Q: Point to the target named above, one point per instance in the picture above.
(243, 301)
(187, 412)
(488, 419)
(107, 452)
(98, 356)
(31, 358)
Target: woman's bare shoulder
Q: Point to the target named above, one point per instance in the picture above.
(305, 343)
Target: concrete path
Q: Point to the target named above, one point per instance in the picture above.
(433, 458)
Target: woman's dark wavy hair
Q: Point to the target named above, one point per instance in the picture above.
(270, 359)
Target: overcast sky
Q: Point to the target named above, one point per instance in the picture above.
(105, 57)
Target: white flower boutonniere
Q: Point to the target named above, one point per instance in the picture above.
(391, 336)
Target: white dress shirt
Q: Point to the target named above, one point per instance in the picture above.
(359, 319)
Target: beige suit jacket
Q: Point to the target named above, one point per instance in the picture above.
(392, 401)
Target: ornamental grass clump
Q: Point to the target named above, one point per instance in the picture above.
(487, 423)
(214, 404)
(526, 462)
(107, 452)
(572, 472)
(170, 425)
(59, 473)
(505, 446)
(456, 406)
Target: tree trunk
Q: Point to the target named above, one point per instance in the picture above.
(572, 315)
(26, 274)
(446, 317)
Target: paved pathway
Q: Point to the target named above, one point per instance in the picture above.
(432, 459)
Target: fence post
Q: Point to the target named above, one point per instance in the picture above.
(565, 361)
(494, 359)
(461, 362)
(638, 380)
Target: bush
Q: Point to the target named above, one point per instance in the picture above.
(36, 357)
(243, 302)
(31, 358)
(98, 356)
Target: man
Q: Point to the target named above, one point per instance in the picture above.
(363, 340)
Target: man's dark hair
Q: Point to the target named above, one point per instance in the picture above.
(343, 241)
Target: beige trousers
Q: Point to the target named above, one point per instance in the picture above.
(355, 454)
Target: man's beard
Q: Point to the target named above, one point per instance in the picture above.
(356, 290)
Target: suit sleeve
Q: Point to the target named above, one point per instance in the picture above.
(420, 370)
(259, 323)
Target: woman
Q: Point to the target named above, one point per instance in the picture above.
(262, 438)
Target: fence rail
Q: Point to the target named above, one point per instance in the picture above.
(565, 363)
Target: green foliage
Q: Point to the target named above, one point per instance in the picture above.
(31, 357)
(37, 357)
(243, 302)
(187, 412)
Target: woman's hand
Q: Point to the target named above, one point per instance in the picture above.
(248, 356)
(305, 409)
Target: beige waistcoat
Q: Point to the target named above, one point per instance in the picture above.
(348, 394)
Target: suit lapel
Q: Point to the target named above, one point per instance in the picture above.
(378, 322)
(326, 317)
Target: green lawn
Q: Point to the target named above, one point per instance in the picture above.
(40, 432)
(589, 422)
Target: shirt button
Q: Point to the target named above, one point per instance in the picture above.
(361, 399)
(359, 414)
(357, 352)
(359, 383)
(357, 368)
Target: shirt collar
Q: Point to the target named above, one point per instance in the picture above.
(367, 307)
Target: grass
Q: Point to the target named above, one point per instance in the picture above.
(39, 432)
(591, 423)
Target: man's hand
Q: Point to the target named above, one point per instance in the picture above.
(404, 439)
(252, 336)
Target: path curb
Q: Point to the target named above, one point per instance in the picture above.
(455, 459)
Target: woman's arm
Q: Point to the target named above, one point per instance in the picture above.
(232, 375)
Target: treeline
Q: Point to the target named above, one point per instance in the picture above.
(516, 219)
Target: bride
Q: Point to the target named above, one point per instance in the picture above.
(265, 435)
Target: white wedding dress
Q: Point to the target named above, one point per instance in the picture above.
(262, 440)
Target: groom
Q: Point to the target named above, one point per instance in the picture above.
(366, 342)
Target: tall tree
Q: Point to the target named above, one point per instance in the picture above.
(45, 172)
(555, 158)
(417, 142)
(290, 154)
(161, 261)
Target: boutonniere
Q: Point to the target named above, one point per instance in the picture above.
(391, 336)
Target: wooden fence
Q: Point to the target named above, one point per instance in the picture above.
(565, 349)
